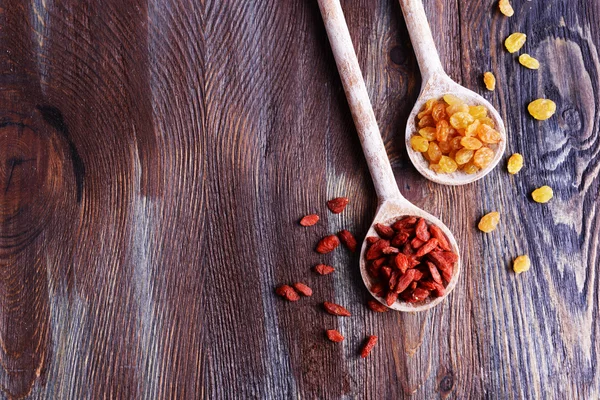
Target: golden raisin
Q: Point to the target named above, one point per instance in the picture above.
(452, 99)
(471, 143)
(515, 41)
(435, 168)
(428, 133)
(515, 163)
(434, 152)
(463, 156)
(419, 143)
(456, 108)
(455, 143)
(444, 147)
(478, 111)
(488, 135)
(506, 8)
(426, 108)
(470, 168)
(487, 121)
(483, 157)
(489, 222)
(527, 61)
(471, 130)
(438, 112)
(442, 131)
(426, 121)
(542, 194)
(461, 120)
(542, 109)
(447, 165)
(489, 80)
(521, 264)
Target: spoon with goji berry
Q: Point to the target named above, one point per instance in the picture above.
(409, 260)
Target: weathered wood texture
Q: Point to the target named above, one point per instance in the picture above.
(156, 155)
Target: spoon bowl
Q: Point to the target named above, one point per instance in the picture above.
(438, 85)
(388, 213)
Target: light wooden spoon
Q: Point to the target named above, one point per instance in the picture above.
(392, 205)
(437, 83)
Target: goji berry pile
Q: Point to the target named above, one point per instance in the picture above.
(410, 261)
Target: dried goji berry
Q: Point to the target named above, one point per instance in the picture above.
(401, 262)
(422, 231)
(303, 289)
(385, 273)
(390, 250)
(404, 222)
(327, 244)
(384, 231)
(336, 309)
(287, 292)
(435, 274)
(405, 280)
(416, 243)
(378, 289)
(399, 239)
(420, 294)
(334, 336)
(338, 204)
(371, 239)
(323, 269)
(437, 233)
(376, 306)
(309, 220)
(368, 346)
(391, 298)
(376, 249)
(348, 240)
(427, 285)
(427, 247)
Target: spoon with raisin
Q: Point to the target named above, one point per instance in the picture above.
(417, 249)
(446, 113)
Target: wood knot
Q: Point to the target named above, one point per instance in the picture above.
(447, 383)
(572, 119)
(34, 176)
(398, 55)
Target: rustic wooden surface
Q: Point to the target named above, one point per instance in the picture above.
(156, 155)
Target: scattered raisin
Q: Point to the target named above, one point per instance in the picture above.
(542, 109)
(542, 194)
(515, 41)
(521, 264)
(489, 222)
(506, 8)
(489, 80)
(515, 163)
(529, 62)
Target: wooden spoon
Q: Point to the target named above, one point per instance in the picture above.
(392, 205)
(437, 83)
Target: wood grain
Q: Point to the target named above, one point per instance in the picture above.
(155, 157)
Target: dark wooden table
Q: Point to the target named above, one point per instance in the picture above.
(156, 156)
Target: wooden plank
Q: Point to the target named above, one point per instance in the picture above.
(156, 157)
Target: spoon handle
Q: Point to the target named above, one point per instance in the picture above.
(358, 100)
(421, 38)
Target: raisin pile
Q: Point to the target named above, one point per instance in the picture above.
(454, 136)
